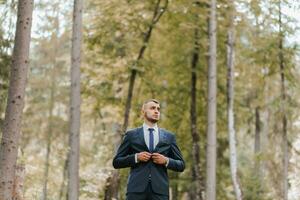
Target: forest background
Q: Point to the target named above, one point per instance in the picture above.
(170, 58)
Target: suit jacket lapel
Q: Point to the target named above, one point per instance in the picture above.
(160, 137)
(141, 137)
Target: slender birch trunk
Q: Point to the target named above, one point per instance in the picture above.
(74, 139)
(211, 154)
(15, 102)
(230, 108)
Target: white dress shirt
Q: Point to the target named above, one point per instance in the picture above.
(155, 134)
(146, 138)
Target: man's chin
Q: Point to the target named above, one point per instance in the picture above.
(154, 120)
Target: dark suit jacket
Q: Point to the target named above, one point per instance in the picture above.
(134, 142)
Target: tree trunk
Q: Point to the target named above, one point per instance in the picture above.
(257, 131)
(49, 138)
(257, 142)
(230, 108)
(158, 12)
(18, 192)
(111, 190)
(285, 160)
(212, 107)
(265, 131)
(51, 106)
(175, 187)
(197, 188)
(113, 184)
(15, 102)
(74, 139)
(62, 191)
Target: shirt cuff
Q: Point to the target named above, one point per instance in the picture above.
(167, 162)
(136, 158)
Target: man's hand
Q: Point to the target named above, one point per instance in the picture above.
(159, 159)
(144, 156)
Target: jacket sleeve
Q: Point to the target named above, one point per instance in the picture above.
(176, 162)
(123, 158)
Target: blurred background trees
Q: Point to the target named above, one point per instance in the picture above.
(173, 69)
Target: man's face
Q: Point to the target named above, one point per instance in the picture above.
(151, 112)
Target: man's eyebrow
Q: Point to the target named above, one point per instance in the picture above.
(155, 107)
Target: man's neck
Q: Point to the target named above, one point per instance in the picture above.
(150, 124)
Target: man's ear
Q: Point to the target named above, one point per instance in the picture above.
(142, 113)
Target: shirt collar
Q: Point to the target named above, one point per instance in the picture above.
(145, 126)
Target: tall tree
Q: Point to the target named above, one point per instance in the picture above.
(74, 137)
(211, 151)
(285, 159)
(159, 10)
(196, 193)
(18, 193)
(49, 63)
(15, 102)
(257, 138)
(230, 103)
(49, 138)
(52, 89)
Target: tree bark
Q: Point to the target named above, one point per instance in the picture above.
(62, 192)
(197, 179)
(257, 131)
(15, 102)
(175, 187)
(230, 107)
(212, 107)
(74, 139)
(111, 190)
(51, 106)
(18, 192)
(285, 159)
(257, 142)
(113, 184)
(49, 137)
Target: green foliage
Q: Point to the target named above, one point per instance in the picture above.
(7, 15)
(255, 188)
(164, 73)
(5, 60)
(113, 36)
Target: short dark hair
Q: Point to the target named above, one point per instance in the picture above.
(150, 100)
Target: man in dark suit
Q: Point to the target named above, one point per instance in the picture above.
(149, 151)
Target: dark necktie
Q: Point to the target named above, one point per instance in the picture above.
(151, 139)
